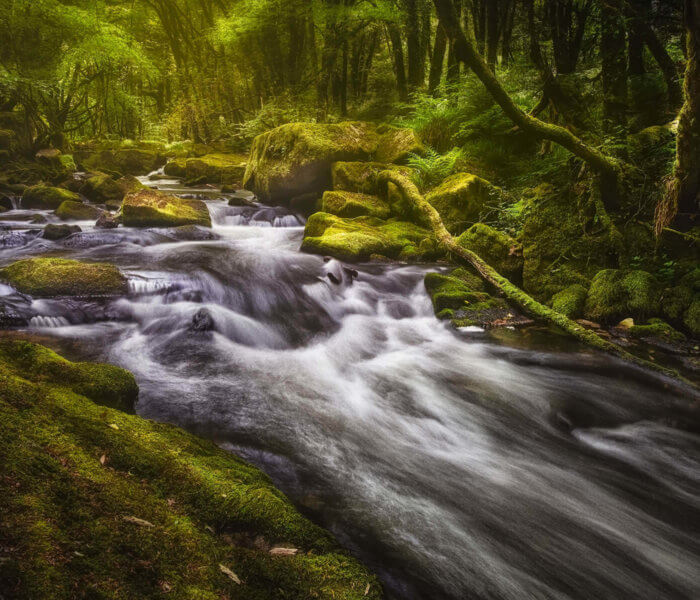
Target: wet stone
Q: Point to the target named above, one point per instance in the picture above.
(58, 232)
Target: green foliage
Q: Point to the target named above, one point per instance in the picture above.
(432, 168)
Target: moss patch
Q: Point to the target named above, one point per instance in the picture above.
(570, 301)
(359, 238)
(350, 204)
(657, 329)
(498, 249)
(44, 197)
(102, 189)
(77, 211)
(460, 200)
(101, 504)
(216, 168)
(152, 208)
(47, 277)
(361, 177)
(616, 294)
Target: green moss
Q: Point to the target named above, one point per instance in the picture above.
(691, 318)
(126, 161)
(102, 189)
(498, 249)
(396, 146)
(152, 208)
(461, 297)
(74, 476)
(295, 159)
(44, 197)
(361, 177)
(215, 168)
(77, 211)
(656, 328)
(350, 204)
(359, 238)
(47, 277)
(570, 301)
(177, 167)
(67, 162)
(460, 200)
(616, 294)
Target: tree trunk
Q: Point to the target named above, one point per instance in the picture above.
(492, 33)
(606, 166)
(613, 51)
(438, 59)
(399, 66)
(682, 202)
(413, 45)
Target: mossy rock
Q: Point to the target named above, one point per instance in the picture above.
(102, 189)
(177, 167)
(555, 228)
(48, 277)
(616, 294)
(361, 177)
(50, 157)
(77, 211)
(570, 301)
(153, 208)
(461, 297)
(350, 204)
(295, 159)
(8, 141)
(127, 161)
(460, 200)
(691, 317)
(358, 239)
(216, 168)
(44, 197)
(102, 504)
(658, 330)
(396, 145)
(498, 249)
(67, 162)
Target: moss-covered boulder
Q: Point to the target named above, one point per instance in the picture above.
(656, 329)
(350, 204)
(616, 294)
(460, 200)
(461, 297)
(48, 277)
(498, 249)
(361, 238)
(49, 156)
(97, 503)
(153, 208)
(361, 177)
(102, 189)
(691, 317)
(295, 159)
(570, 301)
(45, 197)
(77, 211)
(216, 168)
(127, 161)
(396, 145)
(177, 167)
(58, 232)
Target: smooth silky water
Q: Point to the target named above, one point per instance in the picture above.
(454, 466)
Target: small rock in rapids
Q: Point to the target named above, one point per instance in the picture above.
(58, 232)
(202, 321)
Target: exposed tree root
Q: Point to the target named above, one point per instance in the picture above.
(512, 292)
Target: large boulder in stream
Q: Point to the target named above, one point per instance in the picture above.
(153, 208)
(362, 238)
(295, 159)
(77, 211)
(49, 277)
(44, 197)
(104, 189)
(127, 161)
(119, 506)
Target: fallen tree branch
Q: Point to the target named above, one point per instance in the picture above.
(513, 293)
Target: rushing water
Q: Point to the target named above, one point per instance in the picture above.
(454, 466)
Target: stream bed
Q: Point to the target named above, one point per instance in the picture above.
(457, 465)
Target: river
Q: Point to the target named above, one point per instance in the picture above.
(455, 464)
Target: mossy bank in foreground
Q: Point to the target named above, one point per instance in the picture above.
(97, 503)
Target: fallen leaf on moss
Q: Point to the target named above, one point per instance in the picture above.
(137, 521)
(284, 551)
(230, 574)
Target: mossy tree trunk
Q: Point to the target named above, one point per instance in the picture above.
(681, 204)
(606, 166)
(513, 293)
(437, 60)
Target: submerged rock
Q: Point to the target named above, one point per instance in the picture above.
(45, 197)
(361, 238)
(295, 159)
(77, 211)
(153, 208)
(58, 232)
(107, 221)
(48, 277)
